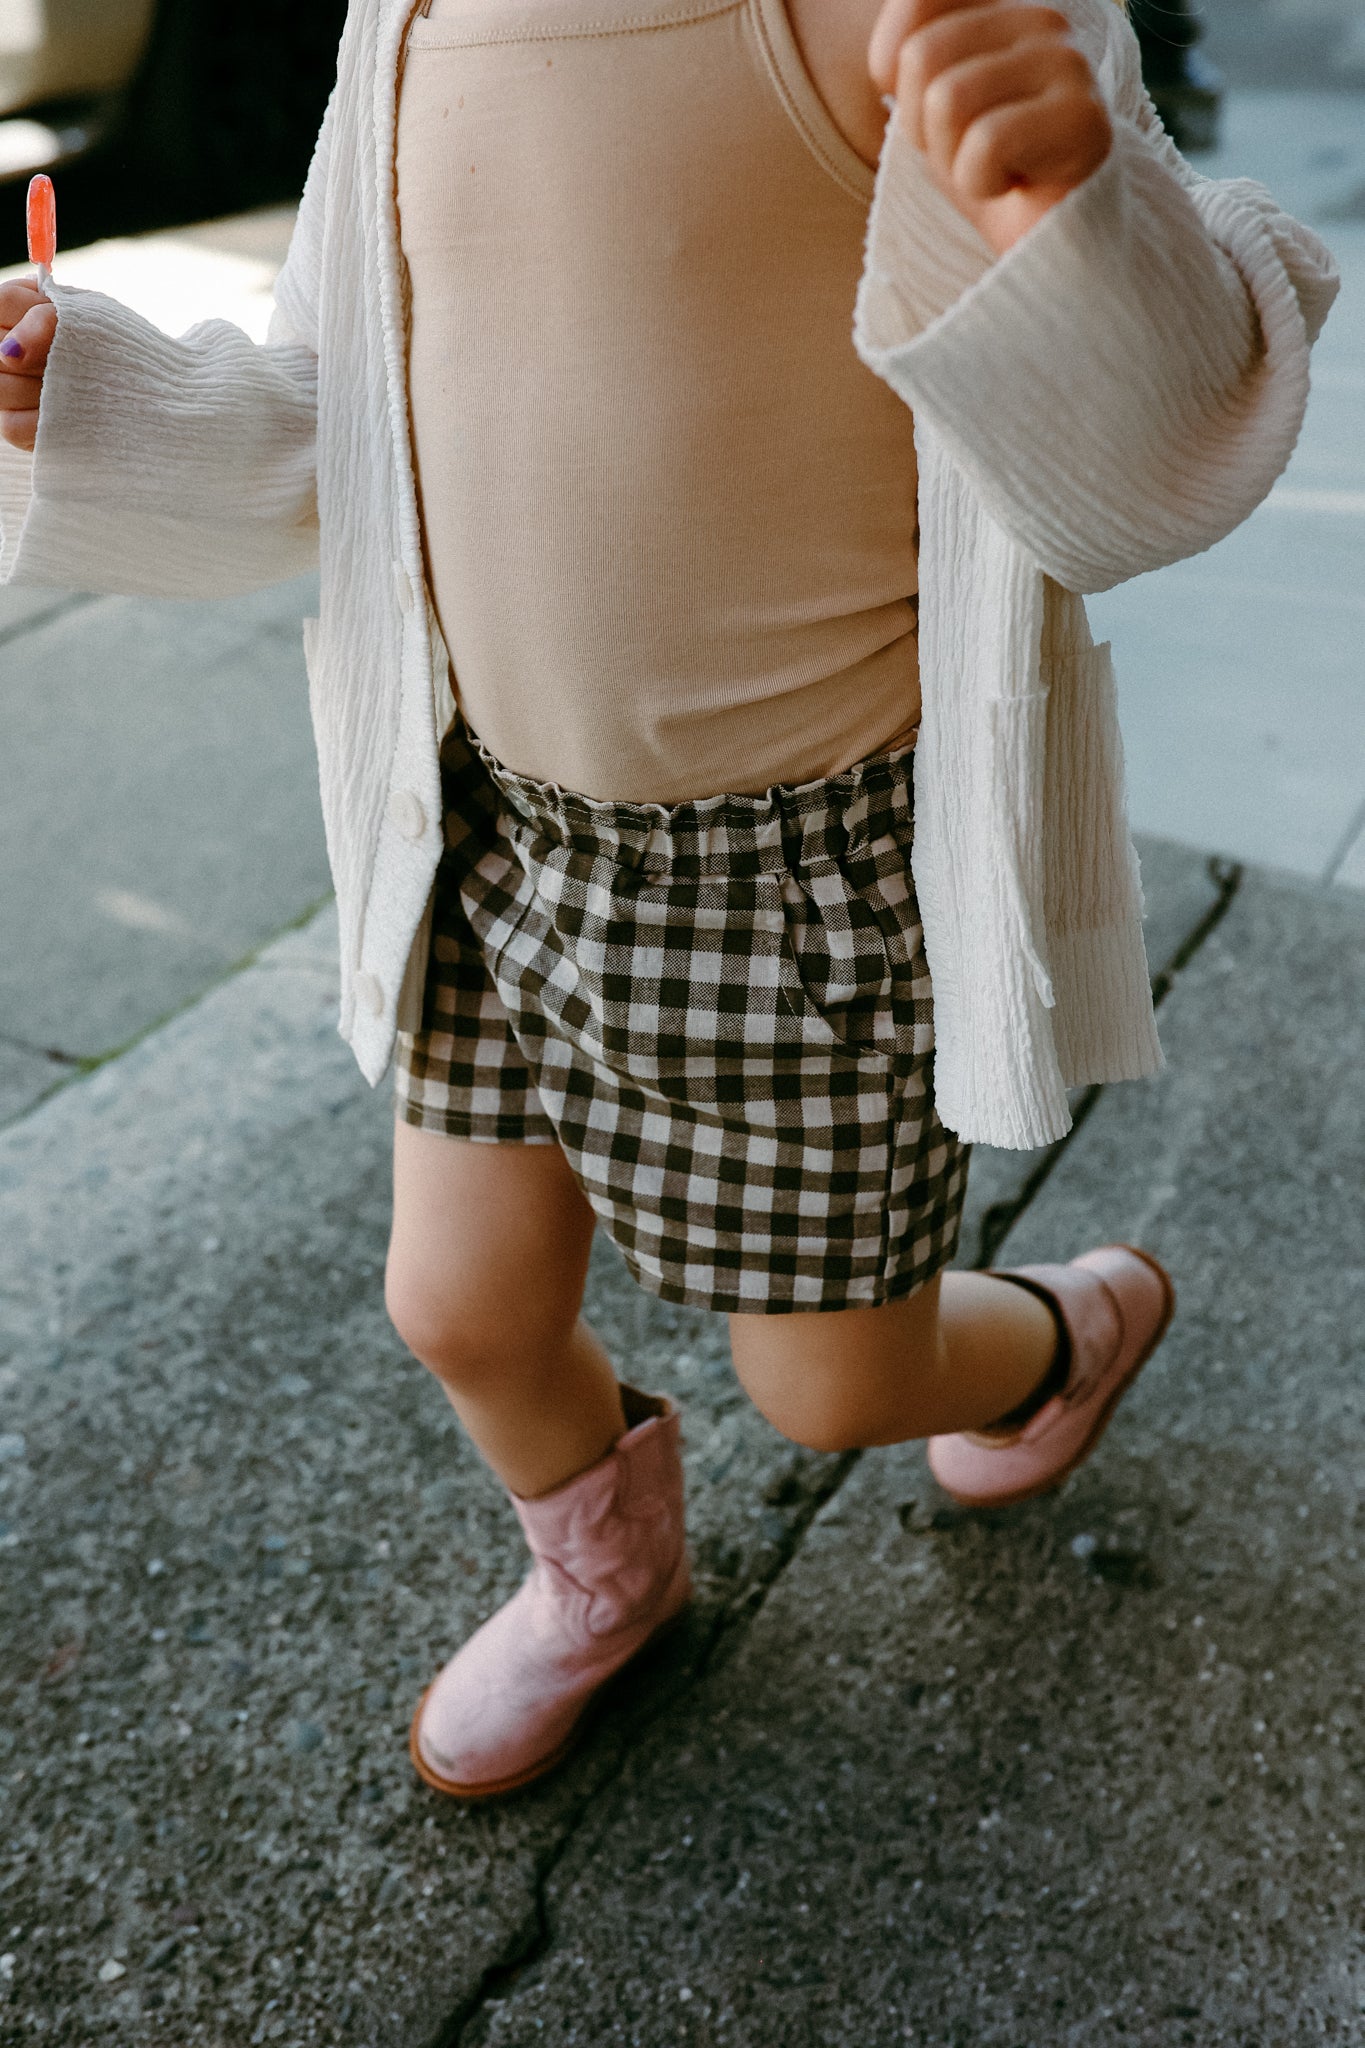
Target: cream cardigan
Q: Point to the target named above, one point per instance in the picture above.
(1121, 389)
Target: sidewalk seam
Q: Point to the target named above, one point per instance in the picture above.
(79, 1066)
(40, 1052)
(1344, 846)
(72, 601)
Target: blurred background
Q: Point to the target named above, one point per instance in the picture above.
(160, 111)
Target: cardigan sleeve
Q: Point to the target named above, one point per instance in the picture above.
(1124, 386)
(173, 468)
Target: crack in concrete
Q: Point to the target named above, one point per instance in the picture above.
(1357, 823)
(73, 601)
(79, 1066)
(41, 1052)
(535, 1935)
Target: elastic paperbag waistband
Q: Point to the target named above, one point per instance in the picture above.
(790, 824)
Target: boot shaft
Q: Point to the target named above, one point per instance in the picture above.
(614, 1535)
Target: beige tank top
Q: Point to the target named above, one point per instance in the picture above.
(668, 514)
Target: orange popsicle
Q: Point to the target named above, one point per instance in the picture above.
(42, 222)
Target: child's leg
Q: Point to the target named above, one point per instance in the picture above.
(960, 1352)
(485, 1281)
(487, 1264)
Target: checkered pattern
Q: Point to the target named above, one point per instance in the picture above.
(720, 1010)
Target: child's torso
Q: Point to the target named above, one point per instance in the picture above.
(669, 515)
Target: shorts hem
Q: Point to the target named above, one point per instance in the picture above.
(878, 1293)
(479, 1130)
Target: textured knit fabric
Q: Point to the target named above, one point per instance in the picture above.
(1119, 390)
(723, 1017)
(668, 561)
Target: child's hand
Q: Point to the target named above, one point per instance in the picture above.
(28, 322)
(1002, 103)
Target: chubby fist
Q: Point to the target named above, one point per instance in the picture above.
(1000, 100)
(28, 322)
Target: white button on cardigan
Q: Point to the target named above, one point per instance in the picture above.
(369, 994)
(408, 813)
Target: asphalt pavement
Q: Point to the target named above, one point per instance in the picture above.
(1084, 1772)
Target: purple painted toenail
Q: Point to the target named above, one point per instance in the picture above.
(12, 348)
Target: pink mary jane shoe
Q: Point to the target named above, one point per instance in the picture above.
(1114, 1305)
(609, 1575)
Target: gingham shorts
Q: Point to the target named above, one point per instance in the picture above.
(719, 1009)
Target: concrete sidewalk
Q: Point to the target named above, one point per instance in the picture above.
(1081, 1772)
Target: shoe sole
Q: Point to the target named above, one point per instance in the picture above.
(1056, 1479)
(492, 1789)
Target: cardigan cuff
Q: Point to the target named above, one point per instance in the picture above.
(163, 468)
(920, 253)
(16, 501)
(1106, 431)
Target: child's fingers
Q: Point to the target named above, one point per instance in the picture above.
(24, 350)
(964, 93)
(28, 322)
(960, 39)
(17, 297)
(1053, 141)
(902, 18)
(18, 291)
(20, 429)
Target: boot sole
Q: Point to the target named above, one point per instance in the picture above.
(1056, 1479)
(493, 1788)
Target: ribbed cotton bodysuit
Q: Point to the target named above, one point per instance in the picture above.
(670, 528)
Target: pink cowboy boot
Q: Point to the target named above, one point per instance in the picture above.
(610, 1573)
(1112, 1307)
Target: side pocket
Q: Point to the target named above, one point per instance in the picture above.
(1093, 883)
(834, 974)
(1018, 741)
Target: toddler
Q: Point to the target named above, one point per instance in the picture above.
(722, 788)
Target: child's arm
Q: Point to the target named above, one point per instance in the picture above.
(1125, 382)
(162, 468)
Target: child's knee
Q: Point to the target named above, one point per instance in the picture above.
(814, 1418)
(414, 1309)
(451, 1336)
(810, 1409)
(845, 1380)
(814, 1426)
(475, 1328)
